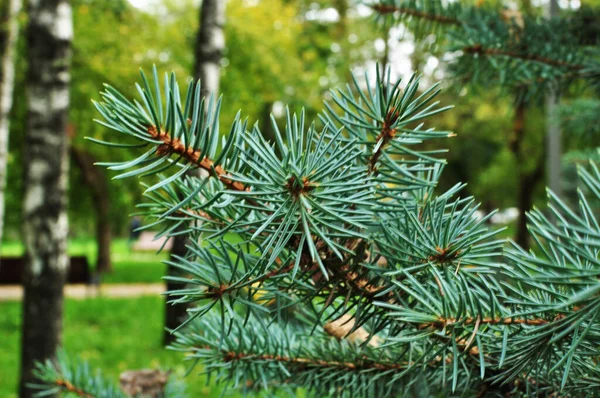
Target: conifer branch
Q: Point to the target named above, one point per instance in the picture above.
(68, 387)
(531, 47)
(388, 132)
(480, 50)
(305, 363)
(444, 322)
(73, 377)
(316, 212)
(174, 145)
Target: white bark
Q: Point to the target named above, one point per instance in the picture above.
(45, 224)
(7, 82)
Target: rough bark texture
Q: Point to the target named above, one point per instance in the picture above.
(95, 179)
(210, 44)
(45, 225)
(8, 42)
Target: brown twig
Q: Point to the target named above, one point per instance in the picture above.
(305, 363)
(443, 322)
(71, 388)
(174, 145)
(479, 49)
(387, 134)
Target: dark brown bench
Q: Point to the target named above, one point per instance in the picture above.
(11, 270)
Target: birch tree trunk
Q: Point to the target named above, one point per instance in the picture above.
(210, 44)
(8, 44)
(45, 225)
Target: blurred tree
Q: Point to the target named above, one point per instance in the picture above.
(210, 45)
(100, 55)
(96, 181)
(45, 225)
(278, 52)
(90, 48)
(9, 32)
(553, 132)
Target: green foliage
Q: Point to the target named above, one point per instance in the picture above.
(65, 375)
(478, 156)
(493, 45)
(288, 359)
(579, 120)
(104, 332)
(415, 277)
(437, 300)
(559, 282)
(165, 36)
(351, 274)
(78, 379)
(487, 46)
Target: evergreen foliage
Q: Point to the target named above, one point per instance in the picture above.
(72, 377)
(326, 261)
(75, 378)
(526, 54)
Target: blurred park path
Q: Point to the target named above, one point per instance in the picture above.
(15, 292)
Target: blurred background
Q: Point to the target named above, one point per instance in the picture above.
(278, 53)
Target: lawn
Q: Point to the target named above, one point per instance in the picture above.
(112, 334)
(140, 267)
(128, 266)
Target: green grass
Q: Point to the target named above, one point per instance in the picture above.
(111, 334)
(140, 267)
(128, 266)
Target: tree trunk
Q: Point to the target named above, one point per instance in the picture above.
(8, 42)
(266, 127)
(527, 181)
(175, 314)
(96, 181)
(210, 44)
(527, 184)
(553, 133)
(45, 224)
